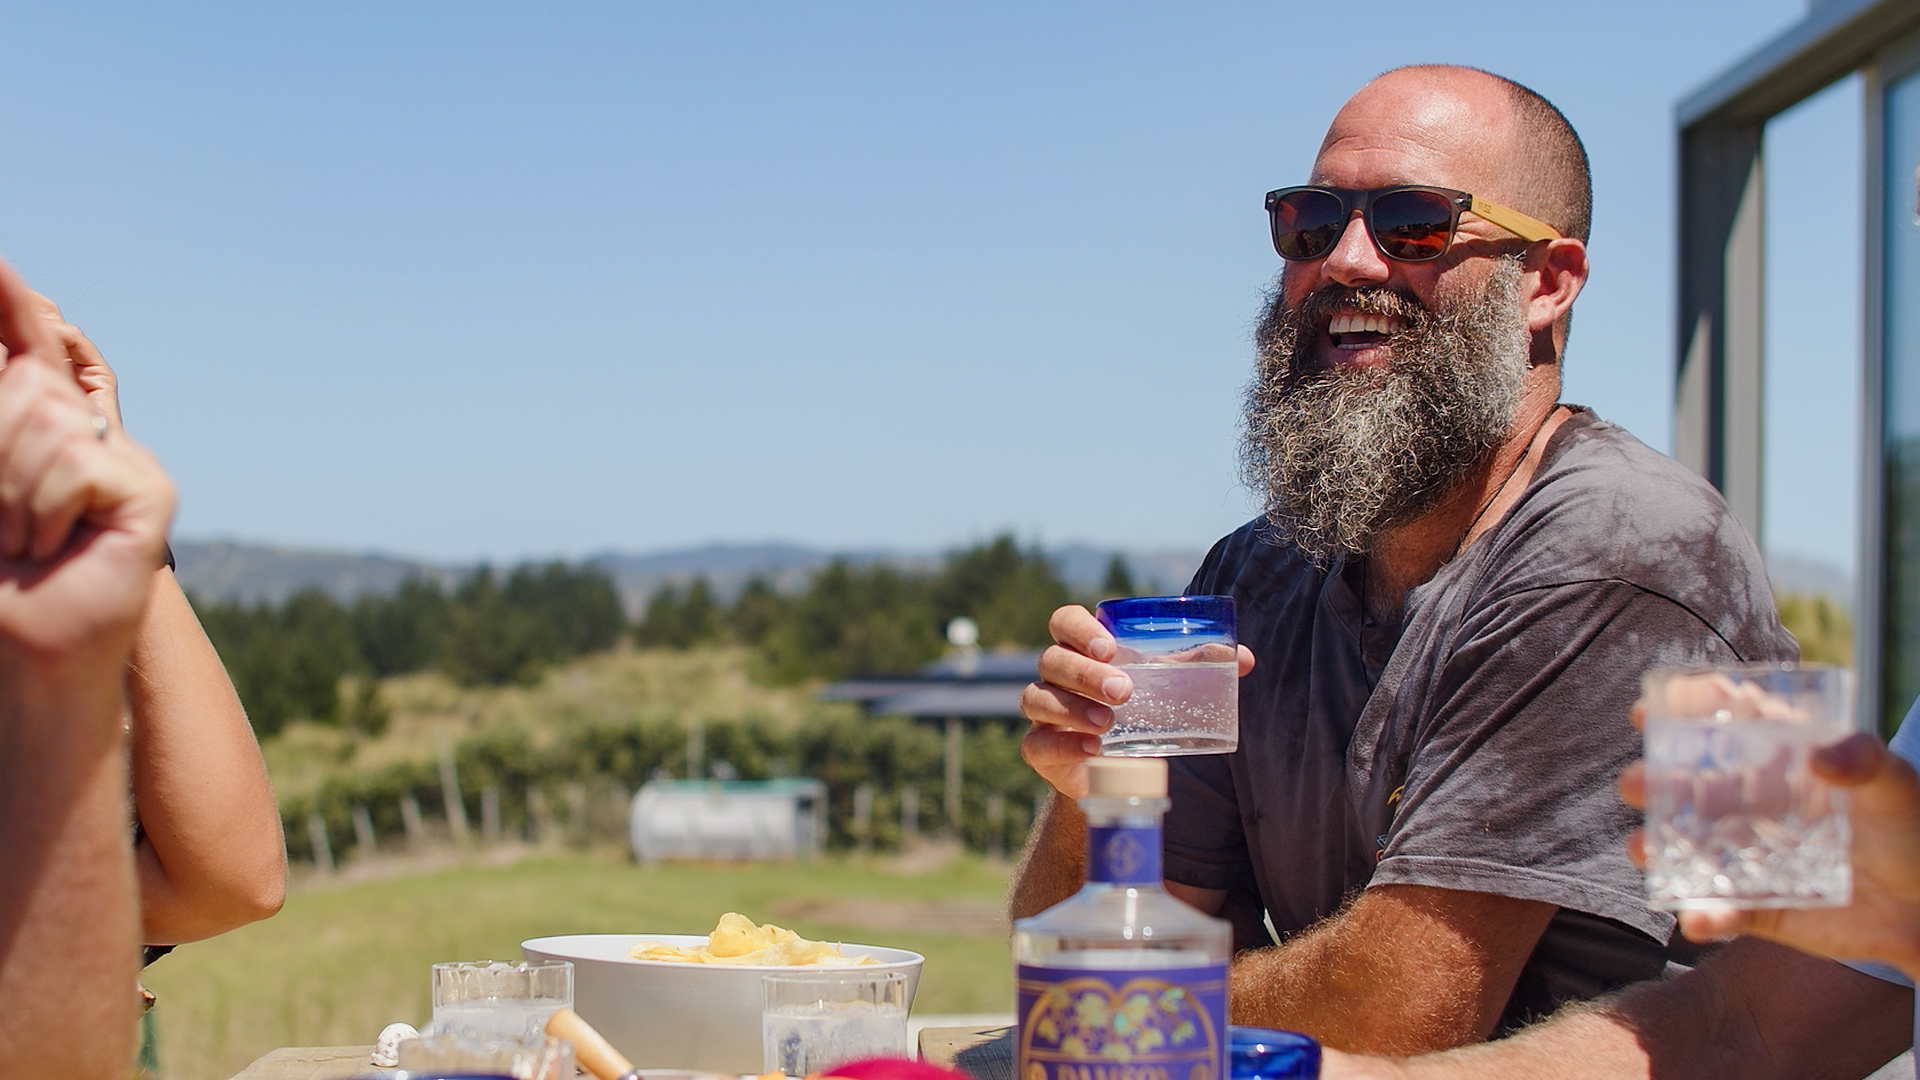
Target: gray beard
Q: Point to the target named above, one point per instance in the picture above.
(1340, 455)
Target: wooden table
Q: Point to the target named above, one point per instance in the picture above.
(311, 1063)
(984, 1053)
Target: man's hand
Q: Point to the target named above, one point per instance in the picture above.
(82, 518)
(1073, 701)
(1883, 921)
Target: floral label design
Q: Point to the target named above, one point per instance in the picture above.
(1165, 1024)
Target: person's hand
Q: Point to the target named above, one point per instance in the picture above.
(89, 368)
(83, 512)
(1073, 701)
(1883, 921)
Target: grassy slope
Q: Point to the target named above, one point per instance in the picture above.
(342, 961)
(709, 684)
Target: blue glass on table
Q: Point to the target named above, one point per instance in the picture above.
(1266, 1054)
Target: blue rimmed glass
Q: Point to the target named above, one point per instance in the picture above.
(1180, 653)
(1266, 1054)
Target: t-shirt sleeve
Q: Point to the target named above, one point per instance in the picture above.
(1509, 786)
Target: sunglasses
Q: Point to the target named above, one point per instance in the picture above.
(1407, 223)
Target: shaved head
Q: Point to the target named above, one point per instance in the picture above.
(1535, 162)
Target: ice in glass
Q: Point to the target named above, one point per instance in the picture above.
(1735, 816)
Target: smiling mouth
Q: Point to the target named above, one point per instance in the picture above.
(1363, 331)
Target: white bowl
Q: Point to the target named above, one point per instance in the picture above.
(663, 1015)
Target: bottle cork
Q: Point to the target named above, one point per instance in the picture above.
(1124, 777)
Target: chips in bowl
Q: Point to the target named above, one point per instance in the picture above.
(738, 940)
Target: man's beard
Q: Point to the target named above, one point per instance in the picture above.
(1342, 454)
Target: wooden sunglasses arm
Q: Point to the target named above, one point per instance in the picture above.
(1513, 221)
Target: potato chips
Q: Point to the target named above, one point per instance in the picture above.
(736, 940)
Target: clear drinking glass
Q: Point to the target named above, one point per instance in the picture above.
(462, 1057)
(492, 998)
(1180, 653)
(1735, 816)
(818, 1019)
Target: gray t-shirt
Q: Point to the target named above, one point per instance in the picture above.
(1474, 746)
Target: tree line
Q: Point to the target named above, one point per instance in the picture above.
(576, 785)
(312, 657)
(873, 618)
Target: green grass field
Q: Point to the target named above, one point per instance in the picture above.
(344, 960)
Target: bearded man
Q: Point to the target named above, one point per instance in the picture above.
(1451, 595)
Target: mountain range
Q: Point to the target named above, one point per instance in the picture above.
(250, 573)
(230, 570)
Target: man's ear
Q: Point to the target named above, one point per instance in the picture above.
(1559, 269)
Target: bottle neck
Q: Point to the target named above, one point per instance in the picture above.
(1123, 840)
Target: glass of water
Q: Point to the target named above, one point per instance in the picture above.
(462, 1057)
(815, 1020)
(1181, 655)
(495, 999)
(1735, 816)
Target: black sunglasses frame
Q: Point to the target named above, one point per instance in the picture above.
(1457, 203)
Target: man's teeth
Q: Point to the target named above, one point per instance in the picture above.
(1366, 324)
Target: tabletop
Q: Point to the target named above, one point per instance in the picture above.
(984, 1053)
(311, 1063)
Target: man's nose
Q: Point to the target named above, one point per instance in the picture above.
(1354, 259)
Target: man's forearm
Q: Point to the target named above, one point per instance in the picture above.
(1756, 1011)
(69, 879)
(1578, 1044)
(1054, 864)
(1400, 970)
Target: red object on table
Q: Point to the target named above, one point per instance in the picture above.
(893, 1069)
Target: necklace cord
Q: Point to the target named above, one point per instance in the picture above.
(1508, 479)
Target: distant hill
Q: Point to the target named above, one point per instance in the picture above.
(1803, 576)
(226, 570)
(727, 567)
(229, 570)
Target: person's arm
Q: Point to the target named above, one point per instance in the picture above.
(210, 855)
(82, 524)
(1402, 969)
(1054, 862)
(1754, 1010)
(67, 900)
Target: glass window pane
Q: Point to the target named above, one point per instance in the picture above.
(1900, 655)
(1809, 501)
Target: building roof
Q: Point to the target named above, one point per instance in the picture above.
(970, 686)
(1835, 37)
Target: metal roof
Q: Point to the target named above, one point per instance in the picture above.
(986, 700)
(981, 685)
(1835, 38)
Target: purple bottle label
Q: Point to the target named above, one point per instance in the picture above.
(1142, 1024)
(1123, 855)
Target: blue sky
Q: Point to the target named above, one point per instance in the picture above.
(465, 280)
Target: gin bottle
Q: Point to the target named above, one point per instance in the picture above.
(1122, 974)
